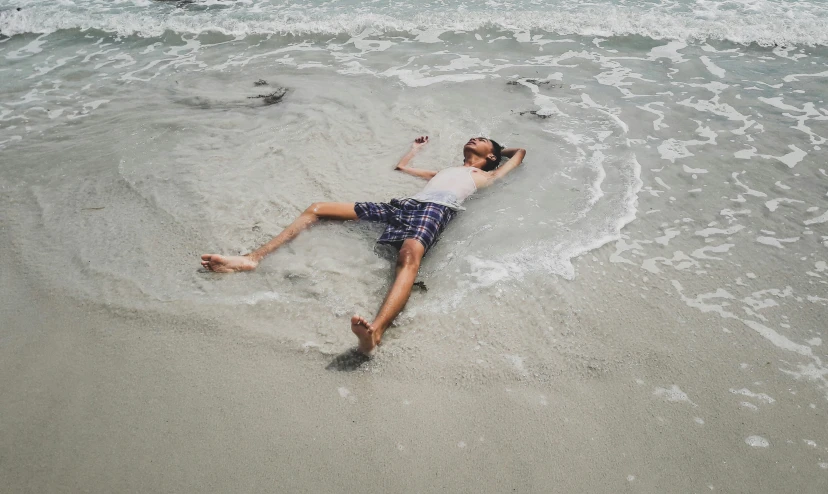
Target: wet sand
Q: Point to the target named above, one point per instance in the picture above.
(102, 399)
(640, 306)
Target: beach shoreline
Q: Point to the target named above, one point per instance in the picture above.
(639, 306)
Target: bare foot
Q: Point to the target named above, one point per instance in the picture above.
(227, 264)
(365, 333)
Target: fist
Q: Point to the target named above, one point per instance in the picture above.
(419, 142)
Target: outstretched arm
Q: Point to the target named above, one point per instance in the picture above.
(515, 156)
(415, 148)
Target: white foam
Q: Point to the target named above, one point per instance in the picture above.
(795, 77)
(819, 219)
(774, 23)
(687, 169)
(430, 35)
(759, 396)
(745, 154)
(673, 149)
(712, 67)
(592, 104)
(769, 334)
(792, 158)
(669, 233)
(719, 231)
(674, 394)
(757, 442)
(776, 242)
(658, 123)
(748, 405)
(670, 51)
(748, 190)
(774, 203)
(701, 253)
(416, 79)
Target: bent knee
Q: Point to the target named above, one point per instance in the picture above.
(313, 209)
(409, 256)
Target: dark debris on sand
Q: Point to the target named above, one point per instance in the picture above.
(260, 82)
(271, 98)
(549, 84)
(179, 3)
(535, 113)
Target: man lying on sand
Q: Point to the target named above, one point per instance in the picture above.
(413, 224)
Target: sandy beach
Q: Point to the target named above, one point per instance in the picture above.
(640, 306)
(99, 400)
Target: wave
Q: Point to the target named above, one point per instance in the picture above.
(765, 22)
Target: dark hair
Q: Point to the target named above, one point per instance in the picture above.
(496, 150)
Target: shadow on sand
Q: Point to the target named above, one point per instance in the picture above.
(349, 360)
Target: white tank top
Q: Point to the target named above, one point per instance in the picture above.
(450, 187)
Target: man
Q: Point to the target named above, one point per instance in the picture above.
(413, 224)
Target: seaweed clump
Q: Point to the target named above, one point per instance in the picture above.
(271, 98)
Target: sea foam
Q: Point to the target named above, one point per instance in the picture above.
(766, 22)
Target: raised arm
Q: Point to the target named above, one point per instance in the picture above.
(403, 165)
(515, 156)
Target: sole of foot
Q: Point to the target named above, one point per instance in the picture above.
(365, 333)
(227, 264)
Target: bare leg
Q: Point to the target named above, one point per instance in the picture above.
(319, 210)
(408, 263)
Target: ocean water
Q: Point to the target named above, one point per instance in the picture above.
(676, 156)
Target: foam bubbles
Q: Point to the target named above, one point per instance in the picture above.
(757, 442)
(771, 23)
(673, 394)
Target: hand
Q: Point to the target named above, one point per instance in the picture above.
(415, 148)
(419, 143)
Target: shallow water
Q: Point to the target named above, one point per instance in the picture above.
(675, 160)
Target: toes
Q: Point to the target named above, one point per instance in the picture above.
(361, 321)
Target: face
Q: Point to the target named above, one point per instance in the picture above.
(480, 146)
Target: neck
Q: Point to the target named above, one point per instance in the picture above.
(474, 161)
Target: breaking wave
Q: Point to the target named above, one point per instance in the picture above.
(765, 22)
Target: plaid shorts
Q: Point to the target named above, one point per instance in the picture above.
(407, 218)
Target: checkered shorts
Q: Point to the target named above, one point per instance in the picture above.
(407, 218)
